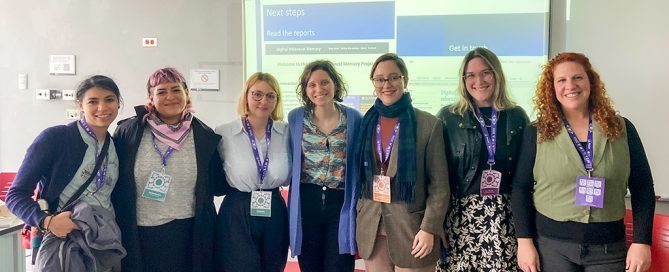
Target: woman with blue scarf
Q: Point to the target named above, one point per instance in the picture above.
(403, 186)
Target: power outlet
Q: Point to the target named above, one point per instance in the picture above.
(72, 114)
(68, 94)
(43, 94)
(46, 94)
(55, 94)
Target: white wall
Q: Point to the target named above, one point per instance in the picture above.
(626, 41)
(105, 36)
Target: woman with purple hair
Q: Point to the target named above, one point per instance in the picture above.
(169, 173)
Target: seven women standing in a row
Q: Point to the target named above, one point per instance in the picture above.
(379, 184)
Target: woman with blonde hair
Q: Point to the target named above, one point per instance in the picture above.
(252, 223)
(482, 131)
(577, 162)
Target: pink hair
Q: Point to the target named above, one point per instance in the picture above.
(166, 75)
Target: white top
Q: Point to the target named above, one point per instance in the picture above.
(239, 163)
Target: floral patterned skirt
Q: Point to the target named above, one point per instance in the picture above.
(480, 235)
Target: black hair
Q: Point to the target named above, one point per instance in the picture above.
(99, 81)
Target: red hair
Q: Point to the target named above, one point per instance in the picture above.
(549, 115)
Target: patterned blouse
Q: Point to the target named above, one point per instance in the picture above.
(324, 156)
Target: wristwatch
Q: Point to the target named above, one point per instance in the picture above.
(41, 226)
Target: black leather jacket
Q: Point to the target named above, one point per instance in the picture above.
(463, 144)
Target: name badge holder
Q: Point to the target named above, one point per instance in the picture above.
(381, 183)
(159, 181)
(490, 179)
(261, 201)
(589, 189)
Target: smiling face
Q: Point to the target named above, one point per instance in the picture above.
(572, 86)
(320, 88)
(391, 91)
(170, 100)
(480, 82)
(261, 99)
(99, 107)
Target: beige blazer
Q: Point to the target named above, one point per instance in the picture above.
(401, 220)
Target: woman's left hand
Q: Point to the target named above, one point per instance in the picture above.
(422, 244)
(638, 258)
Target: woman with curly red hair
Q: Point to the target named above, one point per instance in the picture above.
(573, 173)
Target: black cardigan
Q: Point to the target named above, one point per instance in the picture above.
(529, 222)
(210, 182)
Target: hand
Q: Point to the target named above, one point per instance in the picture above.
(422, 244)
(638, 258)
(61, 224)
(528, 258)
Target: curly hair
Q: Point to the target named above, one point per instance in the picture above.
(328, 67)
(549, 114)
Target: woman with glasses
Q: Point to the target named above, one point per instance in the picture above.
(252, 223)
(577, 162)
(170, 172)
(403, 186)
(483, 131)
(322, 206)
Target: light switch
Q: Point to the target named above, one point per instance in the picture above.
(23, 81)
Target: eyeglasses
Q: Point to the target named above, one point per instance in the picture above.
(257, 96)
(486, 74)
(379, 82)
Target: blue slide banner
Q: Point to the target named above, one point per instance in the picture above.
(332, 21)
(519, 34)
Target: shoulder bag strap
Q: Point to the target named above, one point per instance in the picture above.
(98, 163)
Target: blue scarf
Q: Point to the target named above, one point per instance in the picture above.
(404, 184)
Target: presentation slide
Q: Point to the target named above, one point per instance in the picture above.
(281, 37)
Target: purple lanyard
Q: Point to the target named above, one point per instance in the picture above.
(163, 157)
(389, 147)
(490, 137)
(585, 153)
(102, 172)
(262, 168)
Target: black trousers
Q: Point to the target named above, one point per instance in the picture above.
(167, 247)
(251, 243)
(320, 230)
(566, 256)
